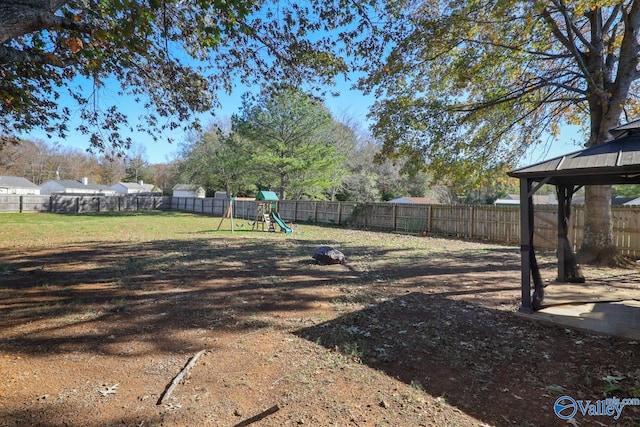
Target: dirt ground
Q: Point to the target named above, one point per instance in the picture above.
(411, 331)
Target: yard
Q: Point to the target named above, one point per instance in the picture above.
(99, 313)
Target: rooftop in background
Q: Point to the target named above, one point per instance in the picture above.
(17, 185)
(67, 186)
(514, 200)
(415, 201)
(135, 188)
(16, 182)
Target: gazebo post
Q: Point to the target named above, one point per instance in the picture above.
(568, 268)
(525, 244)
(562, 231)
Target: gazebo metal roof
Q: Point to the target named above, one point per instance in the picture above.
(614, 162)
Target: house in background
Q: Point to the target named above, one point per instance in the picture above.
(139, 188)
(415, 201)
(625, 201)
(538, 199)
(70, 186)
(615, 201)
(188, 190)
(17, 185)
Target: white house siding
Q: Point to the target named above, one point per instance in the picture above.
(187, 193)
(20, 191)
(187, 190)
(135, 188)
(120, 188)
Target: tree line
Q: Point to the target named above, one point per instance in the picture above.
(282, 139)
(40, 161)
(287, 141)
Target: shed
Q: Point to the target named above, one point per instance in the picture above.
(614, 162)
(17, 185)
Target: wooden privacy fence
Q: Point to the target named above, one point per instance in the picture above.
(58, 203)
(496, 224)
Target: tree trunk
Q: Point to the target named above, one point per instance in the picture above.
(283, 186)
(598, 246)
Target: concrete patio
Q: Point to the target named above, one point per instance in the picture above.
(608, 306)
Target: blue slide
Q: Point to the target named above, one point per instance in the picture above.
(280, 222)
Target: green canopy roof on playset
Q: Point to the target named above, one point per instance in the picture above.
(269, 196)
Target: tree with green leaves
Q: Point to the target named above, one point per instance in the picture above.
(62, 59)
(626, 190)
(358, 178)
(345, 139)
(218, 160)
(136, 165)
(293, 139)
(470, 85)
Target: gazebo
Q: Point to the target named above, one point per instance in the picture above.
(614, 162)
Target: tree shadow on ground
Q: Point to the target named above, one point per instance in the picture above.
(137, 291)
(488, 363)
(43, 416)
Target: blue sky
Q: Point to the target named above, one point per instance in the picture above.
(351, 103)
(567, 142)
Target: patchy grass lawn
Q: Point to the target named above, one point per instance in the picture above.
(98, 313)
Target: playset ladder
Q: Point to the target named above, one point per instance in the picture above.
(267, 220)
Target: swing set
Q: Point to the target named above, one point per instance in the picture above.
(228, 214)
(266, 213)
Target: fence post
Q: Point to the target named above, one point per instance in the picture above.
(21, 203)
(339, 214)
(366, 214)
(78, 204)
(429, 218)
(471, 222)
(395, 217)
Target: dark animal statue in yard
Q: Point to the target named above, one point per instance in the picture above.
(328, 255)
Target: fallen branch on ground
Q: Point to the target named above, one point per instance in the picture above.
(258, 417)
(178, 378)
